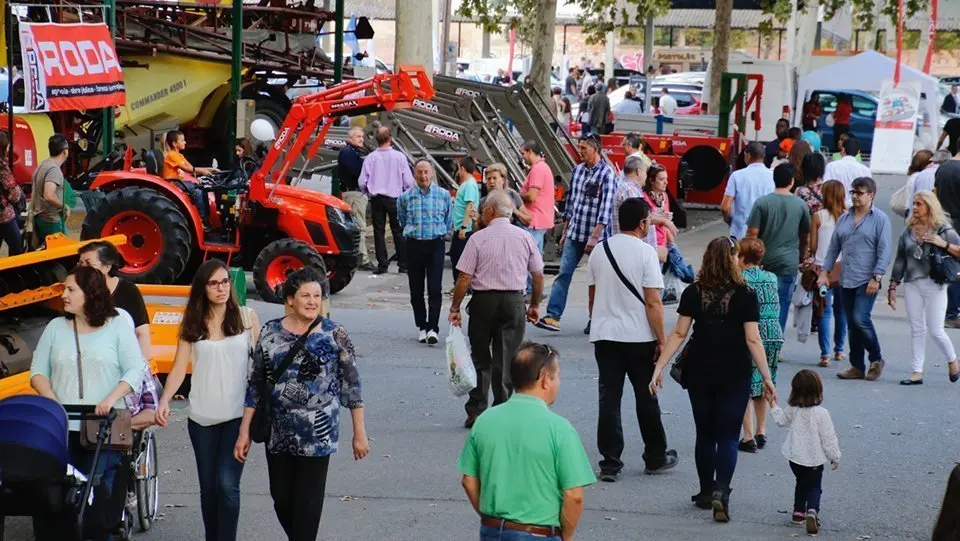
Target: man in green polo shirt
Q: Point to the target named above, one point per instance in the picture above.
(524, 466)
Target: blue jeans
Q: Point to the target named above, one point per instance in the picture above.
(717, 415)
(863, 336)
(785, 285)
(219, 475)
(572, 252)
(489, 533)
(953, 301)
(833, 307)
(538, 236)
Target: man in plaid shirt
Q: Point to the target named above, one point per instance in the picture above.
(425, 213)
(586, 215)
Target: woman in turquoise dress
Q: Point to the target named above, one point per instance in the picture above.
(765, 285)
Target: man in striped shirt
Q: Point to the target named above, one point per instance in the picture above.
(586, 215)
(495, 262)
(425, 214)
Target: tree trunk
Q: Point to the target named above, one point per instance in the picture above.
(925, 18)
(544, 30)
(721, 51)
(806, 35)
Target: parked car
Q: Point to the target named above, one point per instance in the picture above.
(688, 98)
(862, 119)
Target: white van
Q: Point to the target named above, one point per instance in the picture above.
(776, 101)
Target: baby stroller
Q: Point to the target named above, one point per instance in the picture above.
(35, 477)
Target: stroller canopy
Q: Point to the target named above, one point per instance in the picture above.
(33, 439)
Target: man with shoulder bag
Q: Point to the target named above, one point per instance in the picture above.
(627, 333)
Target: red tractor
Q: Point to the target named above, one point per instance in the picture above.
(273, 228)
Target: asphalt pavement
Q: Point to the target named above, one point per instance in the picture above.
(898, 443)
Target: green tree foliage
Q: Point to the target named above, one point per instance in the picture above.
(601, 16)
(863, 10)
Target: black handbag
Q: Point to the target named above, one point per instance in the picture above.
(263, 413)
(944, 268)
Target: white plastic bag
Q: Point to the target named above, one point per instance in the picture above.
(898, 201)
(461, 375)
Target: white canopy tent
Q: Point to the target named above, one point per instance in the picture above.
(867, 71)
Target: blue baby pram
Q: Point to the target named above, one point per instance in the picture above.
(35, 479)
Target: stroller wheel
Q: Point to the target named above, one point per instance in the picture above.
(147, 481)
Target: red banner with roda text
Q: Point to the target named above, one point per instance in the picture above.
(70, 67)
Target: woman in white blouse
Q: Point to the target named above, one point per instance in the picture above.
(217, 335)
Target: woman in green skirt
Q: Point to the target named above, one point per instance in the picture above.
(765, 284)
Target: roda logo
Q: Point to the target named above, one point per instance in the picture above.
(467, 92)
(426, 106)
(442, 133)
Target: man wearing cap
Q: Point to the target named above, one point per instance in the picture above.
(586, 215)
(524, 467)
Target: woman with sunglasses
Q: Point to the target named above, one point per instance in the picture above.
(218, 335)
(926, 300)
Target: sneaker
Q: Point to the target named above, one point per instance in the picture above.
(813, 522)
(609, 476)
(367, 267)
(873, 373)
(749, 446)
(851, 373)
(432, 337)
(798, 518)
(702, 500)
(669, 461)
(402, 270)
(422, 337)
(952, 323)
(380, 270)
(549, 324)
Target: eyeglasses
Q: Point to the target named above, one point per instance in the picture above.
(217, 284)
(857, 193)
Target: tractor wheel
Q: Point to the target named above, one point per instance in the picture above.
(159, 241)
(339, 274)
(279, 259)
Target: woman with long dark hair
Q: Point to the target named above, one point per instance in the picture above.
(717, 366)
(89, 357)
(218, 335)
(655, 194)
(104, 257)
(320, 377)
(10, 195)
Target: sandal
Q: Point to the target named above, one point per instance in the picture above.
(824, 361)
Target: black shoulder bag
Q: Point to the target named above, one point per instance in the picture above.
(676, 371)
(944, 268)
(263, 413)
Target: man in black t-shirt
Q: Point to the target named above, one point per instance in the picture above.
(947, 187)
(951, 129)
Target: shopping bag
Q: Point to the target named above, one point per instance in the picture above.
(898, 201)
(461, 375)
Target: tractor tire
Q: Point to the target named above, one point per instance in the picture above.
(280, 258)
(339, 275)
(159, 240)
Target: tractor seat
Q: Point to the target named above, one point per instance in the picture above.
(153, 161)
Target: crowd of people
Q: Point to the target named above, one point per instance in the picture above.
(804, 231)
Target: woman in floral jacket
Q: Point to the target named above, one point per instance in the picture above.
(306, 400)
(10, 195)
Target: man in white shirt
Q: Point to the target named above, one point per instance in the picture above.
(668, 105)
(847, 169)
(744, 188)
(627, 332)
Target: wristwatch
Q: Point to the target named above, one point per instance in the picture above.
(877, 278)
